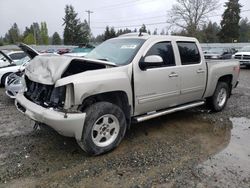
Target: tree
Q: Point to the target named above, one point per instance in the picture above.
(230, 22)
(143, 29)
(244, 30)
(29, 39)
(209, 33)
(56, 39)
(13, 35)
(44, 34)
(109, 33)
(75, 32)
(155, 32)
(190, 15)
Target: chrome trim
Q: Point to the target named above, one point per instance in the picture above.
(168, 111)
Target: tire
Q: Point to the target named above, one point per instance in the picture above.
(4, 78)
(104, 128)
(219, 99)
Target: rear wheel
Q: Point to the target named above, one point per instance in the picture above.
(219, 99)
(104, 128)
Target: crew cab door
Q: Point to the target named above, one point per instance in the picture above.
(193, 72)
(158, 86)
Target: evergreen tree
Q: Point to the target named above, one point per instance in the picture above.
(13, 36)
(230, 22)
(143, 29)
(56, 39)
(209, 33)
(75, 32)
(44, 34)
(244, 30)
(155, 32)
(109, 33)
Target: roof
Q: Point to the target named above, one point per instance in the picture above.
(147, 36)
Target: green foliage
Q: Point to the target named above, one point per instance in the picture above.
(109, 33)
(244, 30)
(44, 34)
(209, 33)
(143, 29)
(230, 22)
(75, 32)
(29, 39)
(56, 39)
(13, 35)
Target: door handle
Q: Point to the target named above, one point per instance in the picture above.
(200, 71)
(172, 75)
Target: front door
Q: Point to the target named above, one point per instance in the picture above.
(157, 87)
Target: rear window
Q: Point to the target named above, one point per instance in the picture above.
(189, 53)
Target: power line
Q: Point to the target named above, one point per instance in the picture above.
(153, 23)
(135, 19)
(122, 5)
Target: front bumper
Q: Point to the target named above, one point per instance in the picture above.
(244, 62)
(70, 124)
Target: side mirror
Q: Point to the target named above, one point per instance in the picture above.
(151, 61)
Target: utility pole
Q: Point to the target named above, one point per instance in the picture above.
(89, 12)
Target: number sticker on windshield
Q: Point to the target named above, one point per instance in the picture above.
(131, 46)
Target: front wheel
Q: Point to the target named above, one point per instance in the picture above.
(104, 128)
(219, 99)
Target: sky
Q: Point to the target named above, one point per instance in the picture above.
(120, 13)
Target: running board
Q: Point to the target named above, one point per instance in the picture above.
(168, 111)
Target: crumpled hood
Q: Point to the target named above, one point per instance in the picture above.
(47, 69)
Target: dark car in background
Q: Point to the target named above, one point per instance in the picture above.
(219, 53)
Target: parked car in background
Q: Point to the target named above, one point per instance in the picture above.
(13, 83)
(219, 53)
(63, 51)
(243, 55)
(14, 56)
(79, 52)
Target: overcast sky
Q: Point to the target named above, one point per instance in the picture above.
(120, 13)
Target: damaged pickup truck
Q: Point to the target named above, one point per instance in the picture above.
(126, 79)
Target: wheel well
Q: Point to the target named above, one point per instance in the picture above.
(118, 98)
(227, 79)
(5, 75)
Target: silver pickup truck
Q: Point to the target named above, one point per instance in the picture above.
(125, 79)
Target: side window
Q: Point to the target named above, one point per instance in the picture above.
(189, 53)
(165, 50)
(17, 56)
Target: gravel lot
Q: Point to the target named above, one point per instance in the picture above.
(192, 148)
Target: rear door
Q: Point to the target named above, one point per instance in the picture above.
(193, 71)
(157, 87)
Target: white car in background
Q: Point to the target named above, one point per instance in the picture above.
(18, 65)
(13, 82)
(243, 55)
(15, 56)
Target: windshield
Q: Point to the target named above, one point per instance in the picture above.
(118, 51)
(80, 50)
(215, 51)
(22, 61)
(245, 49)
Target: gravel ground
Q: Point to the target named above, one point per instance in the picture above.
(192, 148)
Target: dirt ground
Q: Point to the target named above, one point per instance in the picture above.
(192, 148)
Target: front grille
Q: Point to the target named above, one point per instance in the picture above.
(237, 56)
(246, 57)
(44, 95)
